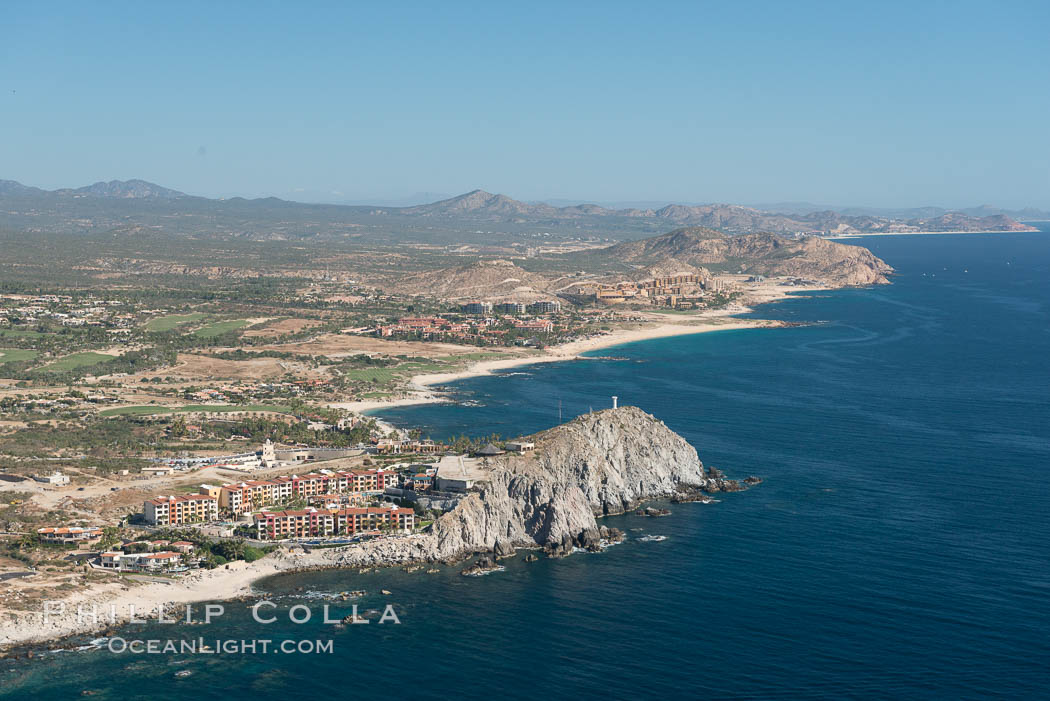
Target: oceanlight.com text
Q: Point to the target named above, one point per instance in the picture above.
(200, 646)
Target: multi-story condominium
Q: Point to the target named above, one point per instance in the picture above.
(371, 518)
(685, 279)
(306, 486)
(368, 481)
(304, 523)
(477, 308)
(334, 501)
(511, 308)
(179, 510)
(244, 497)
(319, 523)
(545, 307)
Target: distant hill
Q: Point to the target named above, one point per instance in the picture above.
(476, 202)
(762, 254)
(11, 187)
(125, 189)
(479, 202)
(957, 221)
(482, 279)
(135, 206)
(484, 206)
(133, 189)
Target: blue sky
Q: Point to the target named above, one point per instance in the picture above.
(877, 103)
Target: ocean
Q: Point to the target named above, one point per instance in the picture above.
(899, 546)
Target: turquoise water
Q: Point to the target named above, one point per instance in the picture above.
(898, 548)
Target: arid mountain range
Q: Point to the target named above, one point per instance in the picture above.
(686, 250)
(476, 217)
(724, 217)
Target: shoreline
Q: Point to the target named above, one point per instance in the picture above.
(574, 350)
(923, 233)
(422, 386)
(237, 578)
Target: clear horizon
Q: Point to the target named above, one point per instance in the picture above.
(891, 106)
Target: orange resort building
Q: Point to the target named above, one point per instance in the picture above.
(244, 497)
(314, 523)
(69, 534)
(175, 511)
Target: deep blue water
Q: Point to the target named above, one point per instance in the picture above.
(899, 546)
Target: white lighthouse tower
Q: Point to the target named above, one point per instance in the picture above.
(614, 401)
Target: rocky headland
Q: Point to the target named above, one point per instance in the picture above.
(601, 463)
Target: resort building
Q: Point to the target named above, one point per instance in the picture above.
(355, 486)
(544, 307)
(510, 308)
(334, 501)
(179, 510)
(477, 308)
(69, 534)
(140, 562)
(320, 523)
(540, 326)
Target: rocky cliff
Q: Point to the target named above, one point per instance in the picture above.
(601, 463)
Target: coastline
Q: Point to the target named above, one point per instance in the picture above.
(133, 596)
(236, 579)
(422, 386)
(840, 237)
(135, 600)
(574, 349)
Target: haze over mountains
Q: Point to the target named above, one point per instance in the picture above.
(136, 205)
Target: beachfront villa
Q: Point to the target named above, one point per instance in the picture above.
(140, 562)
(69, 534)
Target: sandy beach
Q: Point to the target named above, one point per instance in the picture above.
(73, 615)
(139, 597)
(574, 349)
(916, 233)
(421, 387)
